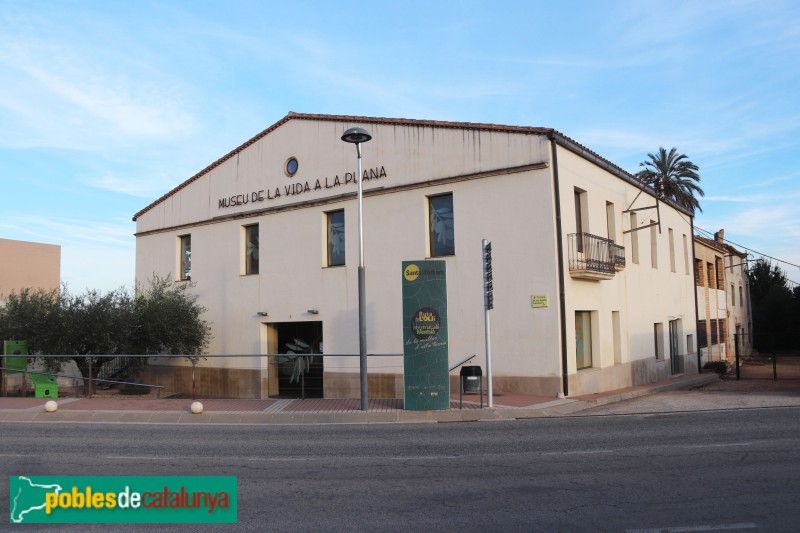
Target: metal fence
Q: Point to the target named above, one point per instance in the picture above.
(767, 356)
(202, 377)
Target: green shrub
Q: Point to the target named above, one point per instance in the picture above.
(720, 367)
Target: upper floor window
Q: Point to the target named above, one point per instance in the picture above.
(580, 216)
(634, 238)
(441, 225)
(611, 225)
(653, 244)
(335, 237)
(671, 250)
(686, 254)
(185, 257)
(251, 249)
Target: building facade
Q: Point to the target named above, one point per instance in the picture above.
(593, 285)
(28, 265)
(723, 295)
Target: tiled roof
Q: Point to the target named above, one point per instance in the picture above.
(711, 243)
(528, 130)
(719, 246)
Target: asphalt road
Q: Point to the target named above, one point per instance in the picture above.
(723, 470)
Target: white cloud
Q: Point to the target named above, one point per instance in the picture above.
(66, 96)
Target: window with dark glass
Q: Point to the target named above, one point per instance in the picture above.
(583, 339)
(440, 225)
(335, 237)
(185, 262)
(251, 249)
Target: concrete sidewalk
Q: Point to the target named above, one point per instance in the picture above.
(321, 411)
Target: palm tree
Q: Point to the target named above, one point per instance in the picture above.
(673, 177)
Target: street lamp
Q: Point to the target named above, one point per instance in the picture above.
(358, 136)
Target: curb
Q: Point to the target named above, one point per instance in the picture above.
(555, 408)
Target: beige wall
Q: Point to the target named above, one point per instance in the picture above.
(28, 265)
(642, 294)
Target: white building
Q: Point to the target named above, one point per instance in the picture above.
(582, 304)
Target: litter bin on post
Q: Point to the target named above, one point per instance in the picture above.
(471, 382)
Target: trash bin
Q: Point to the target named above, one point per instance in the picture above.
(44, 386)
(471, 378)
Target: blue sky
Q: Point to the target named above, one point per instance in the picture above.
(105, 106)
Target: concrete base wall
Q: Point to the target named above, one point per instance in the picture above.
(209, 381)
(641, 372)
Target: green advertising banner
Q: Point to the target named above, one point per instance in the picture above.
(122, 500)
(425, 360)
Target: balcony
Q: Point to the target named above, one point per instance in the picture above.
(618, 256)
(594, 258)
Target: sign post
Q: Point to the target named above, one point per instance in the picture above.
(425, 350)
(488, 289)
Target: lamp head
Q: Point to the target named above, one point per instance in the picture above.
(356, 135)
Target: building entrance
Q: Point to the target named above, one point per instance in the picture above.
(300, 371)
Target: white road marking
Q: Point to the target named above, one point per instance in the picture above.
(704, 527)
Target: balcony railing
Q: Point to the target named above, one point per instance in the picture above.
(618, 255)
(593, 257)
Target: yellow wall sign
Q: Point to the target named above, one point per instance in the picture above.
(540, 300)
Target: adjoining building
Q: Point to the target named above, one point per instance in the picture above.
(723, 296)
(28, 265)
(592, 277)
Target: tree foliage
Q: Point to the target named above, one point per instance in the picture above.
(673, 176)
(160, 318)
(776, 308)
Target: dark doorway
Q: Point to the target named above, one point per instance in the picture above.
(300, 372)
(674, 347)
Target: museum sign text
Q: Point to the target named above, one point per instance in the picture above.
(298, 188)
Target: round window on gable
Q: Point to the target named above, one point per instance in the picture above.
(291, 166)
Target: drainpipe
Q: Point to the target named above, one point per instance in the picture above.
(561, 283)
(696, 313)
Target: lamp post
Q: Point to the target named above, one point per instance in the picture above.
(358, 136)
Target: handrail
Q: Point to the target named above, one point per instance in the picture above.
(461, 362)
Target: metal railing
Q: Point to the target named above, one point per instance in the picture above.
(591, 253)
(775, 357)
(618, 255)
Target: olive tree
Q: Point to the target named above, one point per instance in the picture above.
(162, 317)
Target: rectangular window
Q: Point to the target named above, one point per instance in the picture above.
(712, 279)
(698, 272)
(251, 249)
(686, 254)
(671, 251)
(583, 339)
(658, 337)
(185, 257)
(733, 296)
(634, 239)
(441, 225)
(653, 245)
(615, 326)
(714, 332)
(611, 225)
(720, 271)
(335, 237)
(741, 298)
(702, 334)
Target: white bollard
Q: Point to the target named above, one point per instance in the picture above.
(51, 406)
(197, 408)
